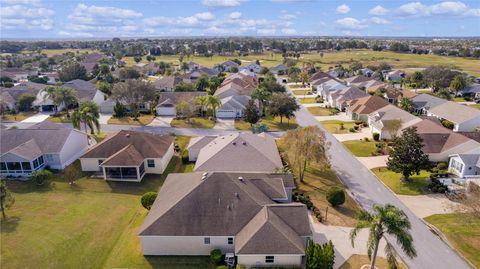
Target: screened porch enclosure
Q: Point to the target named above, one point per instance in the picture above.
(135, 173)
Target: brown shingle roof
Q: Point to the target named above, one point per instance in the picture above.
(367, 105)
(437, 138)
(147, 145)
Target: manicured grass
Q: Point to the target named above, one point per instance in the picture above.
(296, 86)
(141, 120)
(273, 124)
(459, 99)
(195, 122)
(300, 93)
(462, 231)
(85, 225)
(316, 183)
(19, 116)
(333, 126)
(52, 52)
(361, 148)
(477, 106)
(100, 136)
(393, 180)
(356, 261)
(307, 100)
(60, 118)
(321, 111)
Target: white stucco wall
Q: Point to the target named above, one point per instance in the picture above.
(259, 260)
(183, 245)
(75, 146)
(468, 126)
(90, 164)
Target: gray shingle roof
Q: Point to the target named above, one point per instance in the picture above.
(85, 90)
(427, 101)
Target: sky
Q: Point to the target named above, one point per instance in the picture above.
(42, 19)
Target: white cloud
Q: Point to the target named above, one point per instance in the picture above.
(351, 24)
(84, 11)
(26, 14)
(221, 3)
(378, 20)
(289, 31)
(76, 34)
(446, 8)
(268, 31)
(378, 11)
(205, 16)
(235, 15)
(288, 16)
(343, 9)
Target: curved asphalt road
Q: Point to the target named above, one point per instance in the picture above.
(432, 252)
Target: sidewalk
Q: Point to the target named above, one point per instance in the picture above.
(364, 132)
(39, 117)
(374, 162)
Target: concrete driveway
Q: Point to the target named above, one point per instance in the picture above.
(430, 204)
(340, 237)
(364, 132)
(225, 124)
(104, 118)
(39, 117)
(340, 116)
(163, 121)
(374, 161)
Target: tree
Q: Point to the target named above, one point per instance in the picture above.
(119, 110)
(137, 59)
(202, 83)
(439, 76)
(104, 87)
(25, 102)
(128, 73)
(134, 93)
(88, 113)
(6, 198)
(184, 109)
(202, 101)
(213, 102)
(407, 156)
(62, 95)
(335, 196)
(71, 173)
(385, 220)
(320, 256)
(444, 94)
(407, 104)
(306, 145)
(259, 128)
(148, 199)
(415, 79)
(282, 105)
(458, 83)
(251, 113)
(71, 71)
(40, 176)
(392, 127)
(303, 78)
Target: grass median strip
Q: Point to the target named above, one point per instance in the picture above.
(393, 180)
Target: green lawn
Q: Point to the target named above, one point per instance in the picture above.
(91, 224)
(143, 119)
(477, 106)
(462, 231)
(307, 100)
(316, 183)
(296, 86)
(333, 126)
(52, 52)
(273, 124)
(356, 261)
(195, 122)
(393, 180)
(321, 111)
(300, 93)
(361, 148)
(59, 118)
(19, 116)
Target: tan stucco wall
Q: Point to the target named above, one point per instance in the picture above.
(183, 245)
(259, 260)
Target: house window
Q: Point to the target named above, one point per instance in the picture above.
(206, 240)
(269, 259)
(14, 166)
(3, 166)
(35, 164)
(26, 166)
(49, 157)
(230, 240)
(151, 163)
(40, 160)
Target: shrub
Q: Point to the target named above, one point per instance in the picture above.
(442, 166)
(367, 139)
(358, 122)
(302, 198)
(376, 136)
(185, 156)
(148, 198)
(356, 127)
(365, 124)
(259, 128)
(437, 186)
(222, 267)
(119, 110)
(336, 196)
(352, 130)
(342, 126)
(41, 176)
(448, 124)
(216, 256)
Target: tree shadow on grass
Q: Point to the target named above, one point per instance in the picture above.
(10, 224)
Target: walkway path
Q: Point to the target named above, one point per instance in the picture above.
(225, 124)
(104, 118)
(161, 121)
(364, 132)
(39, 117)
(374, 162)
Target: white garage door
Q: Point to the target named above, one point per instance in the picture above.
(226, 114)
(166, 111)
(106, 108)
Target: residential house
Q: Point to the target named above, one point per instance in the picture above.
(149, 69)
(192, 66)
(253, 68)
(381, 120)
(246, 214)
(90, 60)
(366, 72)
(280, 69)
(233, 89)
(351, 81)
(424, 102)
(394, 95)
(18, 74)
(360, 108)
(167, 83)
(319, 75)
(196, 144)
(240, 152)
(464, 118)
(472, 90)
(439, 142)
(10, 96)
(228, 65)
(44, 144)
(247, 72)
(464, 165)
(233, 106)
(331, 85)
(396, 75)
(129, 155)
(168, 101)
(340, 98)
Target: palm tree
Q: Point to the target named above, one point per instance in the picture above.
(385, 220)
(62, 95)
(202, 101)
(88, 113)
(213, 102)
